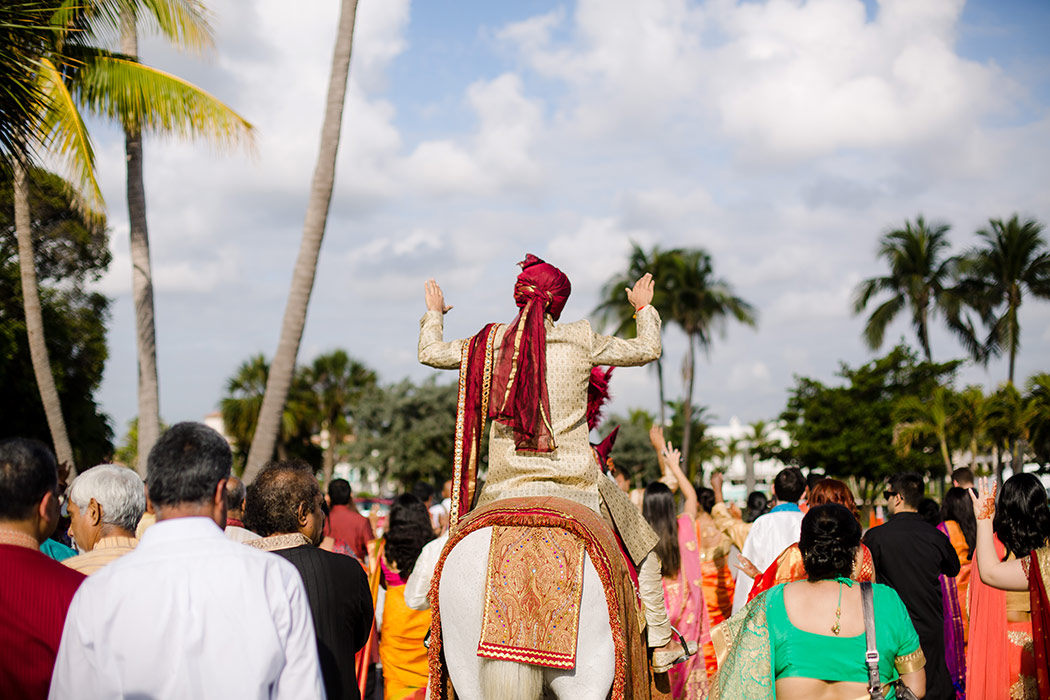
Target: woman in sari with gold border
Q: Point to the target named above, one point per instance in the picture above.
(1027, 572)
(405, 665)
(806, 639)
(679, 553)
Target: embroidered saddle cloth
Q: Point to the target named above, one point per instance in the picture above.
(525, 522)
(532, 596)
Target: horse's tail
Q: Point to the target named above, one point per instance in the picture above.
(509, 680)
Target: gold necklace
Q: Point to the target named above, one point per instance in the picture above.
(837, 627)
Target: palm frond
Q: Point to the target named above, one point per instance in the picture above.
(67, 136)
(152, 100)
(185, 23)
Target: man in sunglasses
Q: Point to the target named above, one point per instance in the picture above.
(910, 555)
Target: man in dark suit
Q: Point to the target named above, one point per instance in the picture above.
(284, 507)
(910, 555)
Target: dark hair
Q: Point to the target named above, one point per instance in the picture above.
(339, 492)
(408, 529)
(658, 507)
(957, 506)
(828, 542)
(706, 498)
(930, 511)
(910, 486)
(186, 464)
(235, 492)
(1022, 519)
(277, 494)
(814, 478)
(423, 491)
(621, 469)
(757, 504)
(27, 471)
(789, 485)
(963, 475)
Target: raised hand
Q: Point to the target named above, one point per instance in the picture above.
(656, 437)
(671, 456)
(984, 500)
(435, 298)
(642, 293)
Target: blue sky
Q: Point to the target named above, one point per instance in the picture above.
(783, 136)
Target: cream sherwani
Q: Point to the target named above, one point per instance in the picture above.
(570, 471)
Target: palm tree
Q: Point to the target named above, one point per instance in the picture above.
(306, 264)
(920, 278)
(614, 308)
(74, 73)
(145, 99)
(918, 419)
(759, 441)
(1038, 414)
(244, 398)
(1007, 430)
(701, 305)
(338, 383)
(972, 419)
(1012, 260)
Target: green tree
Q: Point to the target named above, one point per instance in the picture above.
(71, 251)
(614, 311)
(337, 383)
(759, 444)
(925, 418)
(127, 453)
(310, 248)
(633, 450)
(920, 278)
(701, 304)
(1038, 401)
(706, 447)
(847, 430)
(1011, 260)
(1008, 429)
(406, 431)
(972, 420)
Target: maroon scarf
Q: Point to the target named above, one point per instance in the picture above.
(1038, 591)
(519, 387)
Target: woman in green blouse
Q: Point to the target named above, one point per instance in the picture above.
(806, 639)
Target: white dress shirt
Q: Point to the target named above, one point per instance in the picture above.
(770, 535)
(418, 585)
(189, 614)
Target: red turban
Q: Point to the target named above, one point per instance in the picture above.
(519, 389)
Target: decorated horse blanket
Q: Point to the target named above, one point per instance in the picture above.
(543, 529)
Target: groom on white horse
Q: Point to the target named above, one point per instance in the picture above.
(537, 380)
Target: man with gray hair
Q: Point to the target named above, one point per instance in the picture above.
(235, 530)
(105, 505)
(188, 595)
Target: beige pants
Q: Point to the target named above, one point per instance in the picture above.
(651, 589)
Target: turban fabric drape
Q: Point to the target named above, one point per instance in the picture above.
(519, 386)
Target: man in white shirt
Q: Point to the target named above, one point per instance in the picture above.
(189, 613)
(773, 532)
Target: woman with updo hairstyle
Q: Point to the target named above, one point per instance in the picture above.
(1001, 655)
(805, 639)
(789, 565)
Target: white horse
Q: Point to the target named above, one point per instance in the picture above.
(461, 597)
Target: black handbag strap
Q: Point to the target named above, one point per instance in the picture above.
(871, 656)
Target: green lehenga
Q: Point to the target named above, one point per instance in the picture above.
(745, 657)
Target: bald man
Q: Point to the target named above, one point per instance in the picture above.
(235, 529)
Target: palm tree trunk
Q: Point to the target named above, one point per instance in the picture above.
(687, 407)
(749, 469)
(660, 383)
(946, 456)
(283, 366)
(328, 459)
(1014, 331)
(973, 452)
(924, 336)
(141, 275)
(45, 380)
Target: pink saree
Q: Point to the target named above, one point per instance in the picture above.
(684, 598)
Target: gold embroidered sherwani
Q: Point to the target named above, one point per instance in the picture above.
(570, 471)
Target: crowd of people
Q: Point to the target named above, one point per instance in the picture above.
(194, 585)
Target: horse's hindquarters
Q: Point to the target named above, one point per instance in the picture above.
(461, 599)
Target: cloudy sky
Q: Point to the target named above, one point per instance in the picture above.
(783, 136)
